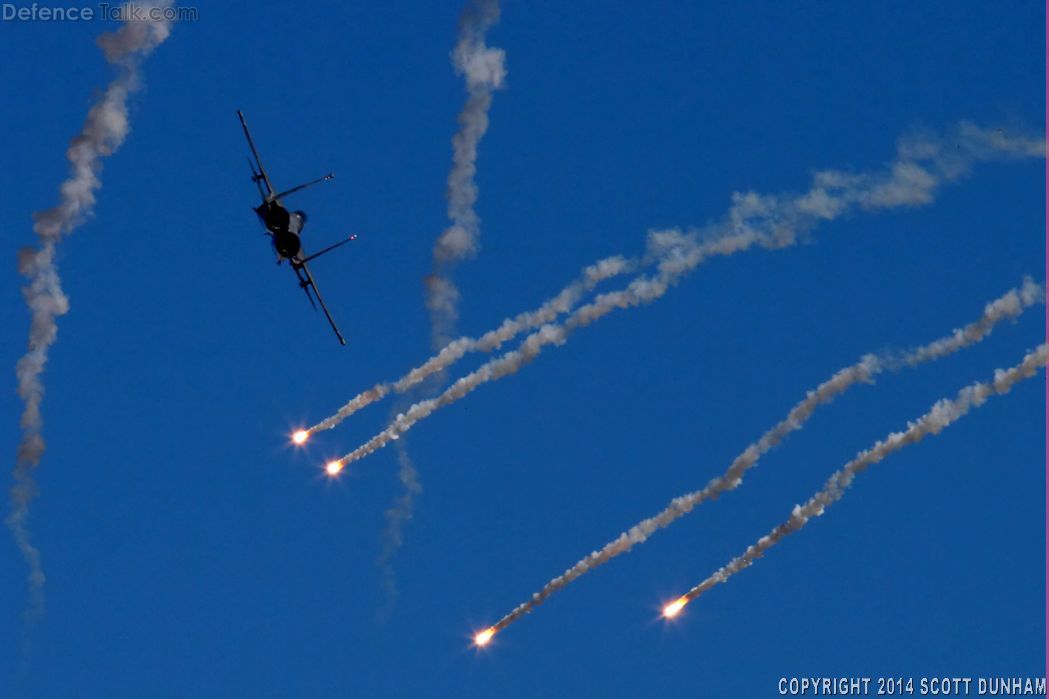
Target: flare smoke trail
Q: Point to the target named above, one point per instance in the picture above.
(941, 415)
(102, 134)
(484, 71)
(768, 220)
(1007, 307)
(452, 352)
(771, 222)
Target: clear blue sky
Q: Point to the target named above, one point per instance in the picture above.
(191, 552)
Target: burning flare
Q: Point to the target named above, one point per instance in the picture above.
(300, 437)
(674, 608)
(481, 638)
(334, 468)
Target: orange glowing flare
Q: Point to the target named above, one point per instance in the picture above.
(300, 436)
(674, 608)
(483, 637)
(334, 468)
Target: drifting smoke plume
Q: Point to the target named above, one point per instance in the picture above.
(452, 352)
(483, 69)
(102, 134)
(397, 517)
(922, 164)
(941, 415)
(1007, 307)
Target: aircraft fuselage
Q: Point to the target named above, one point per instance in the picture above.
(285, 227)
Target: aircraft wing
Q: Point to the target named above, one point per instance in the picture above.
(261, 174)
(306, 282)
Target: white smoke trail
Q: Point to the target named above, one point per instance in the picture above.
(1010, 305)
(1007, 307)
(453, 351)
(942, 414)
(484, 71)
(102, 134)
(772, 222)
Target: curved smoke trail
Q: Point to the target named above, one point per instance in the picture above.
(1007, 307)
(772, 221)
(941, 415)
(102, 134)
(922, 164)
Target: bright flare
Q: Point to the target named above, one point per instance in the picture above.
(300, 436)
(674, 608)
(333, 468)
(483, 637)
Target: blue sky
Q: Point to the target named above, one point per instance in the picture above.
(190, 551)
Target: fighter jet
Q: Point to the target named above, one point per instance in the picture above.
(285, 227)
